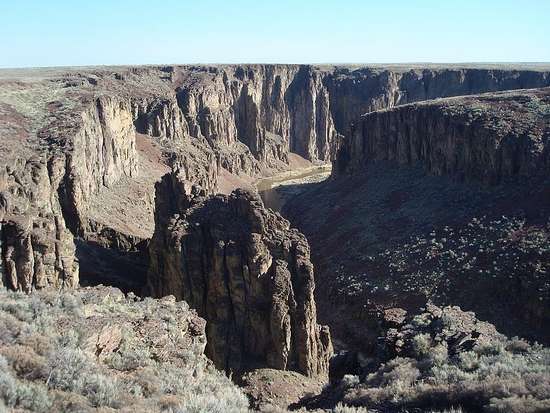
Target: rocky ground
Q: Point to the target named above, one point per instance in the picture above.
(444, 358)
(95, 349)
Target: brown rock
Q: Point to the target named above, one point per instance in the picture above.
(245, 271)
(487, 138)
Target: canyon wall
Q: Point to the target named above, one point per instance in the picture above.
(443, 201)
(101, 152)
(357, 92)
(45, 196)
(305, 109)
(245, 271)
(71, 166)
(272, 109)
(485, 138)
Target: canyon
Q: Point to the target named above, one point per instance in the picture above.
(443, 201)
(147, 178)
(86, 127)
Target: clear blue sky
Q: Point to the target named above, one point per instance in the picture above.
(63, 32)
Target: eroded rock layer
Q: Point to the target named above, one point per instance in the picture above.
(486, 138)
(245, 271)
(82, 149)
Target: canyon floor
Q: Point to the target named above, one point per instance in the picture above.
(275, 237)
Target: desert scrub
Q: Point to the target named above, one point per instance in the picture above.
(480, 264)
(494, 377)
(96, 348)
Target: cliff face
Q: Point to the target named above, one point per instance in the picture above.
(102, 151)
(48, 193)
(269, 108)
(307, 108)
(486, 138)
(73, 166)
(37, 248)
(245, 271)
(354, 93)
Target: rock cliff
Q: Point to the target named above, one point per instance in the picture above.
(83, 148)
(245, 271)
(363, 90)
(486, 138)
(46, 189)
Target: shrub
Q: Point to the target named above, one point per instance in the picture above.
(349, 380)
(341, 408)
(47, 361)
(496, 377)
(519, 404)
(25, 395)
(100, 390)
(468, 361)
(8, 385)
(33, 397)
(25, 362)
(129, 356)
(66, 368)
(214, 403)
(422, 344)
(517, 345)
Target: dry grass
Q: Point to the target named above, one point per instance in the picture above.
(146, 357)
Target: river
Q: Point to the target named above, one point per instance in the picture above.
(277, 189)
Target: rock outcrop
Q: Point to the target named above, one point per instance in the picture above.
(71, 160)
(46, 192)
(37, 249)
(245, 271)
(486, 138)
(459, 331)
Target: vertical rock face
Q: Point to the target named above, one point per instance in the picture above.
(485, 138)
(245, 271)
(46, 194)
(66, 139)
(269, 108)
(37, 249)
(103, 150)
(356, 92)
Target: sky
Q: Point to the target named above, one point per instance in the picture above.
(109, 32)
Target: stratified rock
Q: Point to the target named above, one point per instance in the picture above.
(245, 271)
(71, 165)
(487, 138)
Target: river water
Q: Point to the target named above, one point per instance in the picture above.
(276, 190)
